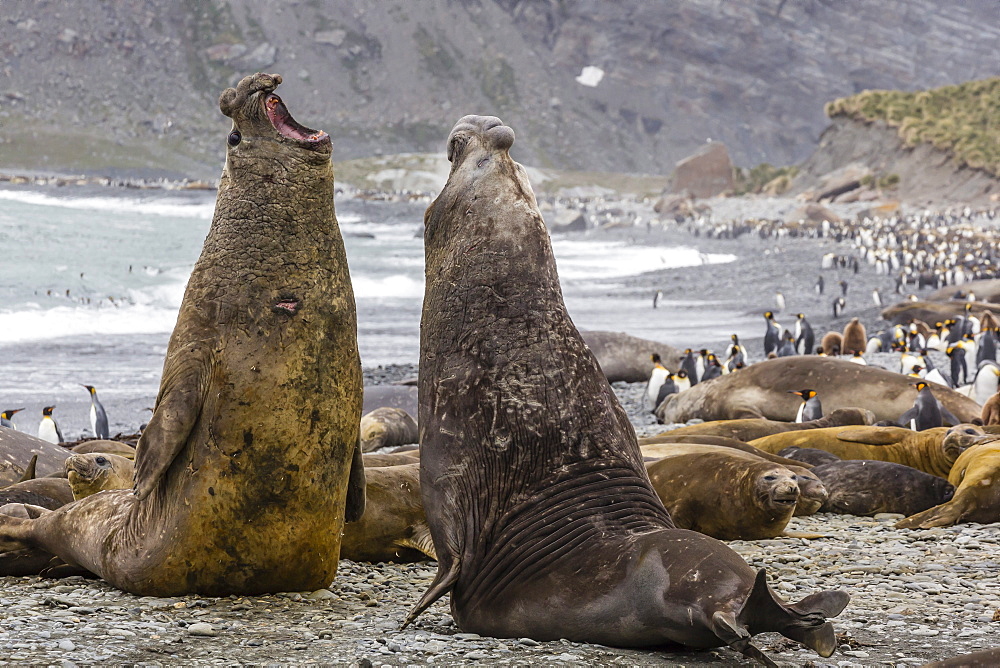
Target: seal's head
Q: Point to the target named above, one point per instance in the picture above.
(812, 492)
(777, 489)
(961, 437)
(95, 472)
(263, 127)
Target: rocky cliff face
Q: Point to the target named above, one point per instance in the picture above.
(628, 85)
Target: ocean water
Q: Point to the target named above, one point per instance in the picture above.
(91, 280)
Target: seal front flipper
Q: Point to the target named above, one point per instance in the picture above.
(177, 410)
(875, 435)
(354, 508)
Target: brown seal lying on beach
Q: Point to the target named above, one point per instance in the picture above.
(663, 445)
(722, 493)
(256, 422)
(761, 390)
(931, 451)
(906, 311)
(976, 477)
(627, 358)
(867, 487)
(387, 427)
(394, 527)
(543, 517)
(391, 459)
(747, 429)
(811, 456)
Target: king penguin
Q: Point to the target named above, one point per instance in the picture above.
(810, 408)
(98, 418)
(48, 429)
(6, 418)
(804, 337)
(689, 365)
(772, 336)
(927, 411)
(656, 378)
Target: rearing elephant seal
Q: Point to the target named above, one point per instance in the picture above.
(242, 476)
(543, 518)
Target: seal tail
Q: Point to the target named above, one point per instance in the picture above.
(804, 621)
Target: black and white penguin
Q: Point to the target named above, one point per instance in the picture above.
(772, 335)
(877, 298)
(739, 346)
(666, 389)
(689, 365)
(98, 417)
(779, 301)
(986, 382)
(787, 347)
(810, 408)
(682, 380)
(927, 411)
(838, 306)
(48, 428)
(843, 288)
(857, 358)
(713, 368)
(656, 298)
(656, 379)
(959, 368)
(7, 418)
(987, 350)
(804, 337)
(819, 285)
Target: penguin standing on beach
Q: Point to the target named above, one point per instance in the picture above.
(7, 418)
(689, 365)
(927, 411)
(877, 298)
(838, 306)
(713, 368)
(738, 348)
(98, 417)
(779, 301)
(772, 335)
(810, 408)
(804, 336)
(787, 347)
(959, 369)
(819, 285)
(48, 429)
(656, 379)
(656, 298)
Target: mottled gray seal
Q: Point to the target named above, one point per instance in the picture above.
(868, 487)
(976, 478)
(542, 514)
(761, 390)
(256, 422)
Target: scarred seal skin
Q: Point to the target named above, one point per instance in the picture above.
(543, 518)
(242, 476)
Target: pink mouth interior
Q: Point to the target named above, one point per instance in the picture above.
(286, 126)
(290, 305)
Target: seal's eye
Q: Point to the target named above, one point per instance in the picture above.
(770, 478)
(235, 137)
(101, 460)
(970, 431)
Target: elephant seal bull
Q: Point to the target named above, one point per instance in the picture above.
(932, 451)
(747, 429)
(761, 390)
(250, 461)
(543, 517)
(976, 477)
(865, 487)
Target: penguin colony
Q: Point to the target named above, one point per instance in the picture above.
(48, 428)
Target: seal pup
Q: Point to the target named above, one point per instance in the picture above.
(761, 390)
(394, 526)
(976, 477)
(256, 421)
(866, 487)
(543, 517)
(387, 427)
(95, 472)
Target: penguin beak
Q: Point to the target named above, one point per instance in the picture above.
(795, 392)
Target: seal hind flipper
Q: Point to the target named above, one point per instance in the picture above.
(874, 435)
(178, 409)
(354, 507)
(804, 621)
(944, 515)
(443, 583)
(736, 636)
(29, 473)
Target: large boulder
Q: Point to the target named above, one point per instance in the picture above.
(707, 173)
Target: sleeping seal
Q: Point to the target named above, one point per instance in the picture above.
(976, 477)
(256, 421)
(543, 517)
(868, 487)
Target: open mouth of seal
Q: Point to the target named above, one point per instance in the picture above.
(288, 127)
(289, 306)
(785, 500)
